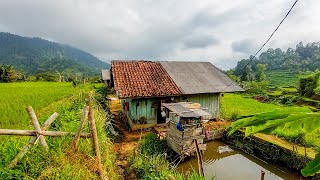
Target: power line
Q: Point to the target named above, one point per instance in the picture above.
(267, 39)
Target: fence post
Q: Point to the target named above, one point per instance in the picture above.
(36, 125)
(200, 161)
(33, 140)
(77, 135)
(95, 141)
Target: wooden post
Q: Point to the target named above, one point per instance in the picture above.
(262, 174)
(95, 141)
(43, 133)
(37, 127)
(32, 141)
(77, 136)
(200, 161)
(305, 151)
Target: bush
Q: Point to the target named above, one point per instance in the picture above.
(309, 84)
(254, 87)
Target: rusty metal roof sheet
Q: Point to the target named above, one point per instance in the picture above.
(133, 79)
(199, 77)
(105, 73)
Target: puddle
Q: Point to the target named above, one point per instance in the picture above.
(224, 163)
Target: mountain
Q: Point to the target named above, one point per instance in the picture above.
(36, 55)
(302, 58)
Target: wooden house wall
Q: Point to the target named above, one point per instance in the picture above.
(210, 101)
(139, 108)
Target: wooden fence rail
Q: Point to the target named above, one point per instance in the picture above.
(43, 133)
(39, 134)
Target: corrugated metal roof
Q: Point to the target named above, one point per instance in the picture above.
(199, 77)
(182, 110)
(105, 73)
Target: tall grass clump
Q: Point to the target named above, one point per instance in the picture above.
(150, 161)
(61, 162)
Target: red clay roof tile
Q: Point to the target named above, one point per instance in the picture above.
(142, 79)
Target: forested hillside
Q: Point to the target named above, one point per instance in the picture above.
(302, 58)
(35, 55)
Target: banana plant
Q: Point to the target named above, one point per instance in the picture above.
(302, 119)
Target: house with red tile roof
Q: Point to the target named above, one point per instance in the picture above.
(143, 86)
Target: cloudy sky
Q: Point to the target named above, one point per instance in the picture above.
(221, 32)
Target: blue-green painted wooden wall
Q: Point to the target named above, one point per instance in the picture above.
(139, 108)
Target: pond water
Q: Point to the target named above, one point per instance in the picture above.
(225, 163)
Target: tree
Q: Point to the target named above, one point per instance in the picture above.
(260, 72)
(302, 119)
(307, 85)
(8, 73)
(231, 75)
(247, 74)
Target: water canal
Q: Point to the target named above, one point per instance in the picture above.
(225, 163)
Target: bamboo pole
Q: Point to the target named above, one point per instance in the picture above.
(43, 133)
(78, 133)
(37, 127)
(199, 156)
(95, 141)
(262, 174)
(33, 140)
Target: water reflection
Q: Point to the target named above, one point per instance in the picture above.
(225, 163)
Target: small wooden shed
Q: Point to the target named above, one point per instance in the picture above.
(106, 77)
(143, 86)
(185, 125)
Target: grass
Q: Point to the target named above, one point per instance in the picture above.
(235, 105)
(238, 105)
(150, 161)
(16, 97)
(282, 78)
(61, 162)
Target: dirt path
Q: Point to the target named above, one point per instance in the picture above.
(126, 142)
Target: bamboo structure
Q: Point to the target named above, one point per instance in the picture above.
(95, 141)
(32, 141)
(42, 133)
(78, 133)
(37, 127)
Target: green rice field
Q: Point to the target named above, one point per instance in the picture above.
(235, 105)
(16, 97)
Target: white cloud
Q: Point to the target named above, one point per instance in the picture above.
(221, 32)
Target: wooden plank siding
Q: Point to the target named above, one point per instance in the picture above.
(139, 108)
(210, 101)
(142, 108)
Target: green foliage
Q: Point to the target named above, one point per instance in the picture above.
(244, 105)
(61, 162)
(47, 76)
(150, 145)
(254, 87)
(15, 97)
(260, 74)
(231, 75)
(308, 84)
(150, 162)
(8, 73)
(301, 119)
(247, 74)
(283, 78)
(35, 55)
(303, 58)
